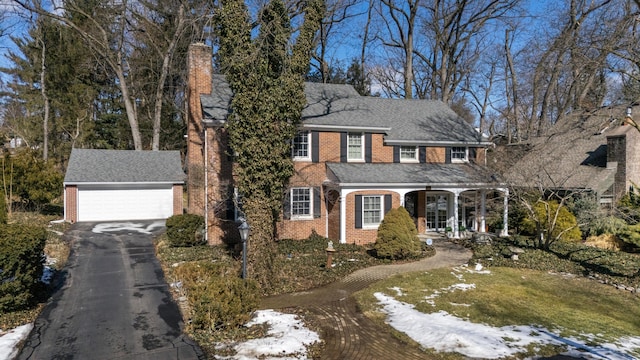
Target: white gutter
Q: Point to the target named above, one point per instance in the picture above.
(438, 143)
(343, 128)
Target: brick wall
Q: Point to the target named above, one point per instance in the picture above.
(71, 203)
(199, 70)
(177, 199)
(436, 155)
(616, 152)
(363, 236)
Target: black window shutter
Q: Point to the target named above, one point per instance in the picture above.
(343, 147)
(367, 147)
(396, 153)
(317, 207)
(358, 211)
(472, 154)
(315, 146)
(447, 156)
(422, 154)
(387, 203)
(286, 205)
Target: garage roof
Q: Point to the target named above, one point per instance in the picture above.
(124, 166)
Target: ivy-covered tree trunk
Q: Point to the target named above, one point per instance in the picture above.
(266, 76)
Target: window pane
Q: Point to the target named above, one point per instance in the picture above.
(355, 146)
(301, 145)
(371, 209)
(408, 152)
(459, 153)
(300, 201)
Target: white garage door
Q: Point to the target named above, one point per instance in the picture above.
(102, 203)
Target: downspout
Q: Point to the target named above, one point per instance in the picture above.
(206, 188)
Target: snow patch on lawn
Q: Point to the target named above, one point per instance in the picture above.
(9, 341)
(288, 338)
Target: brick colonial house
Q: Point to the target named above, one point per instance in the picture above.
(355, 158)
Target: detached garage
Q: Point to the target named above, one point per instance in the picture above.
(116, 185)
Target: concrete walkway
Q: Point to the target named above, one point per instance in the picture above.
(347, 333)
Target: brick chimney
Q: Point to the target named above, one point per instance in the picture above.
(200, 67)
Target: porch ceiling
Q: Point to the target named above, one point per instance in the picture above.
(423, 174)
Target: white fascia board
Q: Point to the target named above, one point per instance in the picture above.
(345, 128)
(421, 185)
(437, 143)
(122, 183)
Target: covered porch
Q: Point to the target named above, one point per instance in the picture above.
(448, 199)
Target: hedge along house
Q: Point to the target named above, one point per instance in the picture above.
(115, 185)
(355, 158)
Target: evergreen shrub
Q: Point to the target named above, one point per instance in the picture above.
(565, 227)
(185, 230)
(218, 297)
(21, 265)
(397, 236)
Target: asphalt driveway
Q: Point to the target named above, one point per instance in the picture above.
(114, 302)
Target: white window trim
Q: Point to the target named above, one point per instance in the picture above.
(309, 147)
(311, 195)
(458, 160)
(362, 147)
(372, 225)
(406, 160)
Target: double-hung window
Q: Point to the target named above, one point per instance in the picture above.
(372, 210)
(459, 154)
(301, 202)
(355, 147)
(408, 154)
(301, 148)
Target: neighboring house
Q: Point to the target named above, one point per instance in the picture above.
(593, 152)
(108, 185)
(355, 158)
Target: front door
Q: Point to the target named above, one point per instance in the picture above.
(436, 214)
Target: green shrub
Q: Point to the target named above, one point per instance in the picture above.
(218, 298)
(397, 236)
(607, 225)
(35, 181)
(21, 265)
(185, 230)
(565, 227)
(630, 237)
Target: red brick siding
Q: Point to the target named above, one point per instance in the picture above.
(379, 152)
(199, 82)
(363, 236)
(436, 155)
(71, 203)
(177, 199)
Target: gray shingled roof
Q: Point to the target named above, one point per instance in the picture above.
(419, 174)
(572, 155)
(124, 166)
(331, 105)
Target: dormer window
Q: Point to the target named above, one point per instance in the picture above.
(459, 154)
(408, 154)
(301, 149)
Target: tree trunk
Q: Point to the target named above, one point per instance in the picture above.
(45, 98)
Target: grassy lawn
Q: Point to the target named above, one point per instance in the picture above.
(568, 305)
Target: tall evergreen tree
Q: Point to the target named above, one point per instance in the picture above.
(266, 75)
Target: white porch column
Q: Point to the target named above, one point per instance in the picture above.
(343, 217)
(483, 210)
(505, 214)
(474, 227)
(455, 227)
